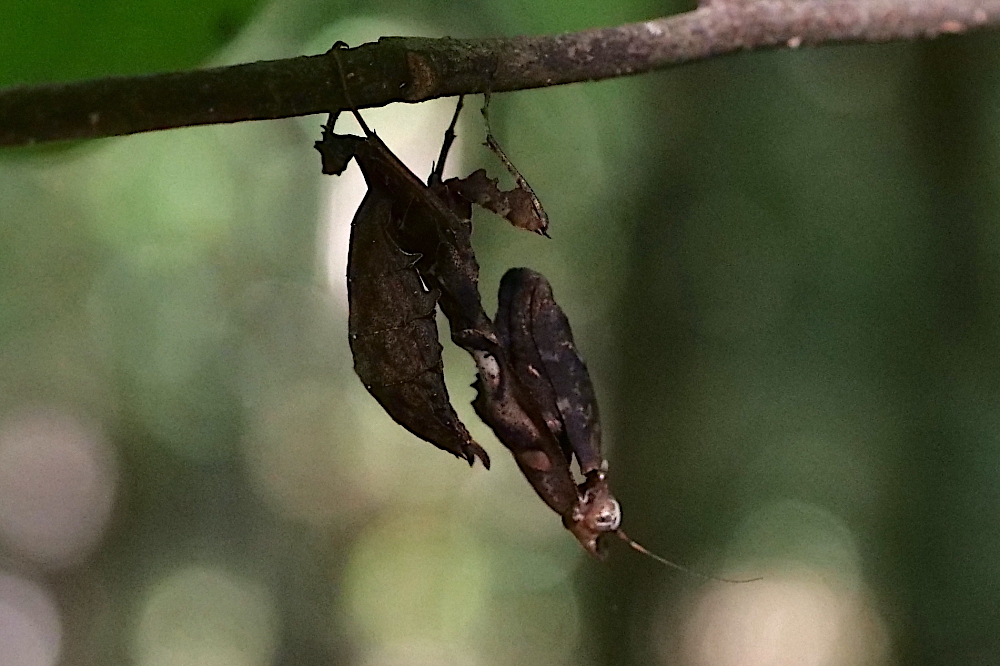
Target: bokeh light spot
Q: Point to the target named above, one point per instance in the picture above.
(812, 607)
(57, 485)
(203, 616)
(416, 575)
(803, 620)
(420, 653)
(300, 457)
(30, 630)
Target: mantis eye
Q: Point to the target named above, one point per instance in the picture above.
(609, 517)
(596, 513)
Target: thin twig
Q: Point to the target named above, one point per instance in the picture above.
(437, 173)
(415, 69)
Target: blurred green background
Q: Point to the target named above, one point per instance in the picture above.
(783, 269)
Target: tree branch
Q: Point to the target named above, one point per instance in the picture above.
(396, 69)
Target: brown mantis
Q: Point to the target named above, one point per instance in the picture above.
(410, 252)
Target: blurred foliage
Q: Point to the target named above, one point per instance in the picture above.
(53, 40)
(782, 268)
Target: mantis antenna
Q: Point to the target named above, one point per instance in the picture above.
(678, 567)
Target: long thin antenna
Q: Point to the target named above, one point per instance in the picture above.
(492, 144)
(678, 567)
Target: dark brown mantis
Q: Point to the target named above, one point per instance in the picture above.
(391, 325)
(536, 339)
(410, 251)
(406, 235)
